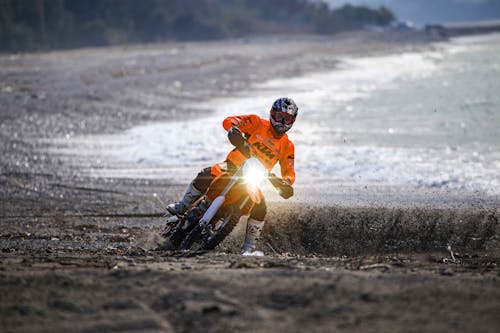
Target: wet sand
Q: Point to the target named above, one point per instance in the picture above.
(77, 252)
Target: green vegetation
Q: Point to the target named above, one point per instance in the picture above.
(49, 24)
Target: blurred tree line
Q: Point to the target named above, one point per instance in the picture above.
(50, 24)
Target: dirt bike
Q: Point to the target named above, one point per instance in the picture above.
(214, 215)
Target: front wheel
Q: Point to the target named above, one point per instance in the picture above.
(207, 238)
(219, 230)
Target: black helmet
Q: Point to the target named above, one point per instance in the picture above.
(283, 114)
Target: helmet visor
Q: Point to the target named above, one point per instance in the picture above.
(284, 118)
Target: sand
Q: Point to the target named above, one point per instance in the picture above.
(77, 252)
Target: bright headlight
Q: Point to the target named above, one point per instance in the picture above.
(254, 172)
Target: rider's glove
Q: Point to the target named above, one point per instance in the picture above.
(285, 190)
(238, 140)
(283, 186)
(236, 137)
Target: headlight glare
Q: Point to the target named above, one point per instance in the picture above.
(253, 172)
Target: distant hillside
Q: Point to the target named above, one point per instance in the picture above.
(49, 24)
(434, 11)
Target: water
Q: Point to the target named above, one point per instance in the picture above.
(427, 119)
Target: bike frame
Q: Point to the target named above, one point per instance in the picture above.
(219, 201)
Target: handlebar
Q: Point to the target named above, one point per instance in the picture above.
(284, 190)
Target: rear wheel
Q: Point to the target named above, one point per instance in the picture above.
(173, 235)
(193, 236)
(176, 233)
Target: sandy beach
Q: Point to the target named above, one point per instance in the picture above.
(77, 250)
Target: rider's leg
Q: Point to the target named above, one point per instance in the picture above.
(255, 224)
(195, 189)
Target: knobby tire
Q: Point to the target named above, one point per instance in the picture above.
(221, 235)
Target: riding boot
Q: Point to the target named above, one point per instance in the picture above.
(191, 195)
(252, 235)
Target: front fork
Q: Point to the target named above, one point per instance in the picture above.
(219, 201)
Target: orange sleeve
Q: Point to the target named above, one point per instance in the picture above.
(287, 160)
(246, 124)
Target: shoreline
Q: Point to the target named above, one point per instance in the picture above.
(142, 92)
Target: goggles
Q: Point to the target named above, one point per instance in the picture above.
(283, 117)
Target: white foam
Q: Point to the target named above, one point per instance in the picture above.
(183, 147)
(201, 141)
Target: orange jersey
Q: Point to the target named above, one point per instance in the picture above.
(268, 146)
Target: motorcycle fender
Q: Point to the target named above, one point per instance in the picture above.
(255, 196)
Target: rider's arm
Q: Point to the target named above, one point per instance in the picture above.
(246, 123)
(287, 158)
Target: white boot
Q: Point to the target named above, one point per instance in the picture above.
(252, 235)
(191, 195)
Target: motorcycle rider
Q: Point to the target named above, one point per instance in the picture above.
(270, 144)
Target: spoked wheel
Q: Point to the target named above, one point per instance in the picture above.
(173, 235)
(192, 237)
(207, 238)
(220, 229)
